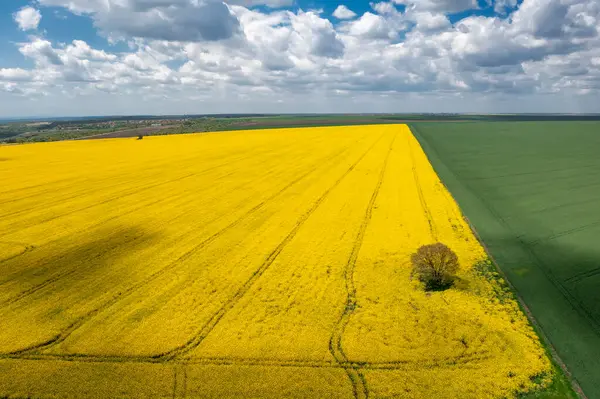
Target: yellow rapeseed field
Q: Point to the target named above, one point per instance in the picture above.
(265, 264)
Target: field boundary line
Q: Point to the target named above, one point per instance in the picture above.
(539, 330)
(573, 301)
(526, 246)
(232, 301)
(360, 388)
(575, 385)
(63, 335)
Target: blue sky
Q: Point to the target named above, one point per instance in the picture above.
(80, 57)
(10, 56)
(64, 26)
(57, 24)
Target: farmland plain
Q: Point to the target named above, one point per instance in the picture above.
(267, 263)
(532, 192)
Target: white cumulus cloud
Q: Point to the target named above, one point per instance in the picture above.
(343, 12)
(445, 6)
(190, 56)
(174, 20)
(27, 18)
(15, 74)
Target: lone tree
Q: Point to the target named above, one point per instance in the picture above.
(435, 266)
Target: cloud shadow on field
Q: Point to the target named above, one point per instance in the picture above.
(567, 305)
(564, 251)
(59, 268)
(38, 302)
(572, 268)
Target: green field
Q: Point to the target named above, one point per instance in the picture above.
(532, 191)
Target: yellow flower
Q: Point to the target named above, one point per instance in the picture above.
(262, 263)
